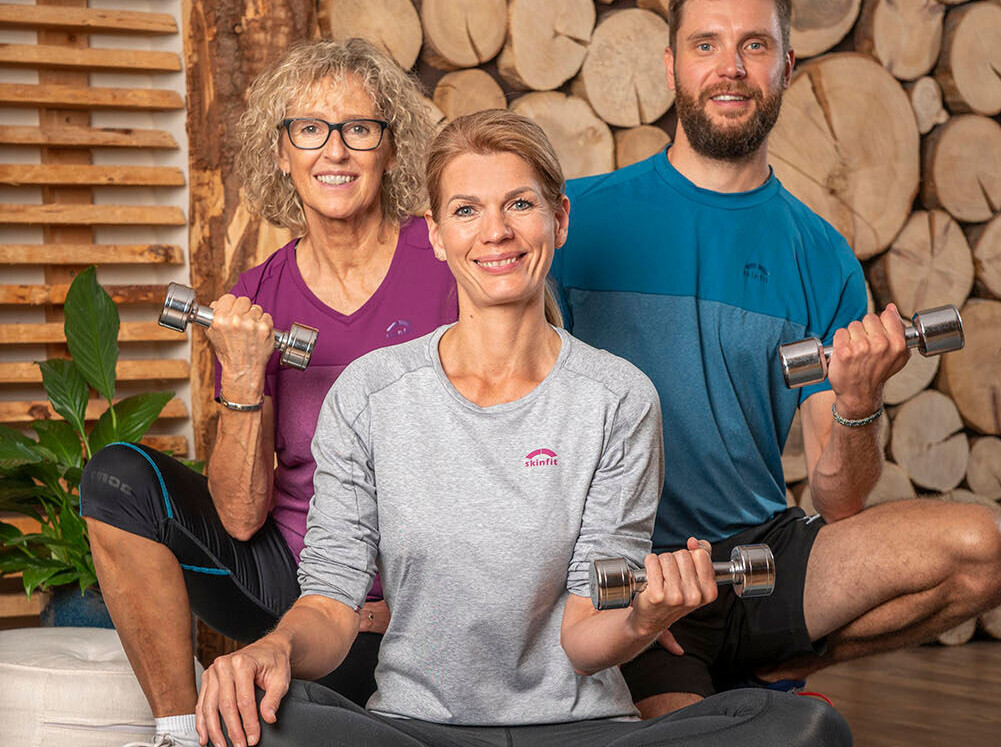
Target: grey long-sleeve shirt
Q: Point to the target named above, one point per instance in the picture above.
(481, 520)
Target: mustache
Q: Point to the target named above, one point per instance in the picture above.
(733, 89)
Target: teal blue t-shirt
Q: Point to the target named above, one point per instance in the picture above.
(698, 289)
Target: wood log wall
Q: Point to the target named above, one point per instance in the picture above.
(890, 131)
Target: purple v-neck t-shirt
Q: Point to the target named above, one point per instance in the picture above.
(416, 297)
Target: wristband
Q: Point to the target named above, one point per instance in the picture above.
(237, 406)
(861, 422)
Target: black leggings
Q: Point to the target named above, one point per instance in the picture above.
(749, 718)
(239, 588)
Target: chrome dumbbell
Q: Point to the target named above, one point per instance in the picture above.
(934, 331)
(751, 570)
(180, 309)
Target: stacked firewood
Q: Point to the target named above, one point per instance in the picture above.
(890, 131)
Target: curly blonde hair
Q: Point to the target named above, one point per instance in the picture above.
(398, 99)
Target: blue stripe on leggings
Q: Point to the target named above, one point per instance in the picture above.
(163, 487)
(211, 571)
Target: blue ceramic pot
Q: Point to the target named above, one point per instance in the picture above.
(67, 608)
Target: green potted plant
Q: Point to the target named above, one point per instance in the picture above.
(40, 477)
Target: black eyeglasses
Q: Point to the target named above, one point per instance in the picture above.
(357, 134)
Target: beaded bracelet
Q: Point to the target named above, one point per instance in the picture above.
(857, 423)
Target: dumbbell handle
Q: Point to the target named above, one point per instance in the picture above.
(911, 335)
(934, 331)
(180, 308)
(751, 569)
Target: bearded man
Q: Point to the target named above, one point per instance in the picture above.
(695, 265)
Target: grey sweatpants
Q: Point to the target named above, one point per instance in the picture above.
(315, 715)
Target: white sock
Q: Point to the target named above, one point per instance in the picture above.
(181, 728)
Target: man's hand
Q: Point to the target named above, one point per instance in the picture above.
(865, 355)
(677, 583)
(228, 689)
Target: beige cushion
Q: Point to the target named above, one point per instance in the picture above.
(69, 686)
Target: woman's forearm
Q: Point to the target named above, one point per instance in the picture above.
(594, 641)
(317, 633)
(241, 468)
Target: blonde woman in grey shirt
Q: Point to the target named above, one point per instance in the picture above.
(479, 470)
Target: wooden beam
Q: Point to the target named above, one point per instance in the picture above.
(64, 58)
(25, 412)
(176, 445)
(86, 21)
(76, 97)
(86, 137)
(91, 215)
(82, 254)
(26, 524)
(172, 369)
(17, 604)
(18, 175)
(46, 332)
(55, 293)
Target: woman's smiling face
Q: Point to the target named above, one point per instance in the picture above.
(334, 181)
(495, 229)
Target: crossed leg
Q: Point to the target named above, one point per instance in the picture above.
(896, 575)
(891, 576)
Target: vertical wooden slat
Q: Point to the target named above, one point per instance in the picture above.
(226, 45)
(52, 119)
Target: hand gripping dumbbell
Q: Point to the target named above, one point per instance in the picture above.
(751, 570)
(934, 331)
(180, 308)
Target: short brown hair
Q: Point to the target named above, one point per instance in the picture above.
(784, 8)
(498, 131)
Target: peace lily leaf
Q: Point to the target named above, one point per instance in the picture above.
(134, 417)
(16, 449)
(74, 530)
(35, 577)
(92, 331)
(67, 390)
(8, 532)
(72, 476)
(59, 437)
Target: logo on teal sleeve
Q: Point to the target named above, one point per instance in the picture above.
(756, 272)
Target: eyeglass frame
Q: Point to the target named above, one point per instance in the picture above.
(331, 126)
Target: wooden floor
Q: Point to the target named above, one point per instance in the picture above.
(922, 697)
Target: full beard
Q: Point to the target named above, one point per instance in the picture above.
(733, 142)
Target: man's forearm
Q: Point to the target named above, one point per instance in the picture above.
(847, 471)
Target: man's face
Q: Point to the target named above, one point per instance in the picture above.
(728, 72)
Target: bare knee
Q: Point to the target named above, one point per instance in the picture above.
(664, 703)
(978, 553)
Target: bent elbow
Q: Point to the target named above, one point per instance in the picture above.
(241, 530)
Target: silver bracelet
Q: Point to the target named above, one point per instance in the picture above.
(237, 406)
(857, 423)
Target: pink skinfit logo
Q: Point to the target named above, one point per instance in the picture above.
(541, 458)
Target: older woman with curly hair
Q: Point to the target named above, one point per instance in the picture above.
(334, 138)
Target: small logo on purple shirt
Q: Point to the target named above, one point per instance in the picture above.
(399, 328)
(541, 458)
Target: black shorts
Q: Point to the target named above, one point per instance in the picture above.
(727, 640)
(239, 588)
